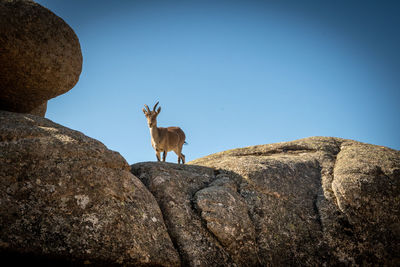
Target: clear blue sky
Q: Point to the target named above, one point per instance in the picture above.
(233, 73)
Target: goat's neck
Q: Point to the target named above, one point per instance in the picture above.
(155, 133)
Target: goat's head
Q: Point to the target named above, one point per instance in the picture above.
(151, 115)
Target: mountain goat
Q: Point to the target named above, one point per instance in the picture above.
(164, 139)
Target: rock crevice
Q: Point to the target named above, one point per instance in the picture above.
(174, 187)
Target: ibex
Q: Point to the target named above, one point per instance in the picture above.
(164, 139)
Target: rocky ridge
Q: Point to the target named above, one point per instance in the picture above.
(312, 201)
(319, 200)
(316, 201)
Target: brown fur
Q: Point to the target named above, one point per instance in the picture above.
(164, 139)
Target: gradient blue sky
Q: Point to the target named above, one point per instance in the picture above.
(233, 73)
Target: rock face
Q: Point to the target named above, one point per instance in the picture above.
(226, 215)
(40, 56)
(174, 187)
(64, 196)
(315, 201)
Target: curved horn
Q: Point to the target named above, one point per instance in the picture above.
(154, 109)
(147, 107)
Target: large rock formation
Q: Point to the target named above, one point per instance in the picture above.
(40, 56)
(65, 196)
(315, 201)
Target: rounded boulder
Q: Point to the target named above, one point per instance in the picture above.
(40, 56)
(65, 199)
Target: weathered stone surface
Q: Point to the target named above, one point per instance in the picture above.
(39, 110)
(65, 196)
(174, 187)
(226, 215)
(315, 201)
(40, 56)
(367, 188)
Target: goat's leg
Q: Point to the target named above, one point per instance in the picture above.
(158, 155)
(178, 153)
(181, 157)
(164, 156)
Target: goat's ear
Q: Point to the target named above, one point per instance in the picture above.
(158, 110)
(144, 111)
